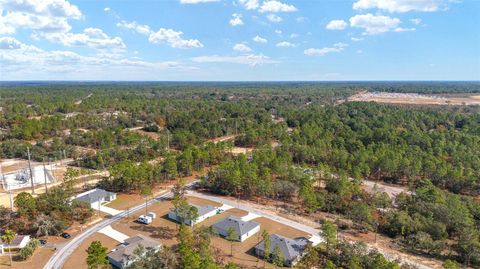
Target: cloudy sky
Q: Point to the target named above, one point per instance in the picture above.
(240, 40)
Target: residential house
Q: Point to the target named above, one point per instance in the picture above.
(204, 212)
(19, 242)
(292, 250)
(96, 197)
(243, 229)
(123, 255)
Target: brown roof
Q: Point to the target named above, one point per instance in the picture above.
(125, 251)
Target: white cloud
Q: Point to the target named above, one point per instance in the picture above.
(294, 35)
(242, 48)
(274, 18)
(374, 24)
(301, 19)
(252, 59)
(336, 25)
(278, 32)
(236, 19)
(359, 51)
(140, 28)
(356, 39)
(174, 39)
(9, 43)
(197, 1)
(401, 6)
(401, 29)
(338, 47)
(46, 15)
(91, 37)
(416, 21)
(107, 9)
(274, 6)
(259, 39)
(249, 4)
(285, 44)
(19, 60)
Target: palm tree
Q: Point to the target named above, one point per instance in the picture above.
(8, 237)
(44, 225)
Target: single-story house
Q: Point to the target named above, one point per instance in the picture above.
(243, 229)
(96, 197)
(292, 249)
(19, 242)
(123, 255)
(204, 212)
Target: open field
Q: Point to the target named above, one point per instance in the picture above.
(415, 99)
(39, 258)
(78, 257)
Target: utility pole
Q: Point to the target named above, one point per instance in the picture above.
(54, 164)
(31, 172)
(45, 175)
(6, 187)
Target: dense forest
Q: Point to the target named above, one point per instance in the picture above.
(309, 146)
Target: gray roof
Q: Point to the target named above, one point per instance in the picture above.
(125, 251)
(202, 210)
(94, 196)
(15, 242)
(290, 248)
(241, 227)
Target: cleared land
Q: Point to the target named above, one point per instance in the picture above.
(414, 98)
(79, 256)
(39, 258)
(165, 230)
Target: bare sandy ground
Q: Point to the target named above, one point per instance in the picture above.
(414, 98)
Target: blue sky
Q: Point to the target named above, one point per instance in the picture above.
(240, 40)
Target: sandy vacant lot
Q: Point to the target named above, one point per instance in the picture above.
(79, 256)
(415, 99)
(39, 258)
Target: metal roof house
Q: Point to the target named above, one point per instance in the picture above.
(243, 229)
(96, 197)
(123, 255)
(19, 242)
(292, 249)
(204, 212)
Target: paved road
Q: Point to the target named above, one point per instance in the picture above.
(299, 226)
(62, 254)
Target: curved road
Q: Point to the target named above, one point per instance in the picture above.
(61, 255)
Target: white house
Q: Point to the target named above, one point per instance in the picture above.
(204, 212)
(96, 197)
(243, 229)
(292, 250)
(19, 242)
(123, 255)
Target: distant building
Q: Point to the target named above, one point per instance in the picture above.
(204, 212)
(243, 229)
(123, 255)
(19, 242)
(96, 197)
(292, 250)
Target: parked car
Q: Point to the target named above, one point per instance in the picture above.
(43, 242)
(65, 235)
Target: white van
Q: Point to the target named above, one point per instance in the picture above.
(145, 219)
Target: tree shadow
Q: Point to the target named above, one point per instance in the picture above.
(162, 232)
